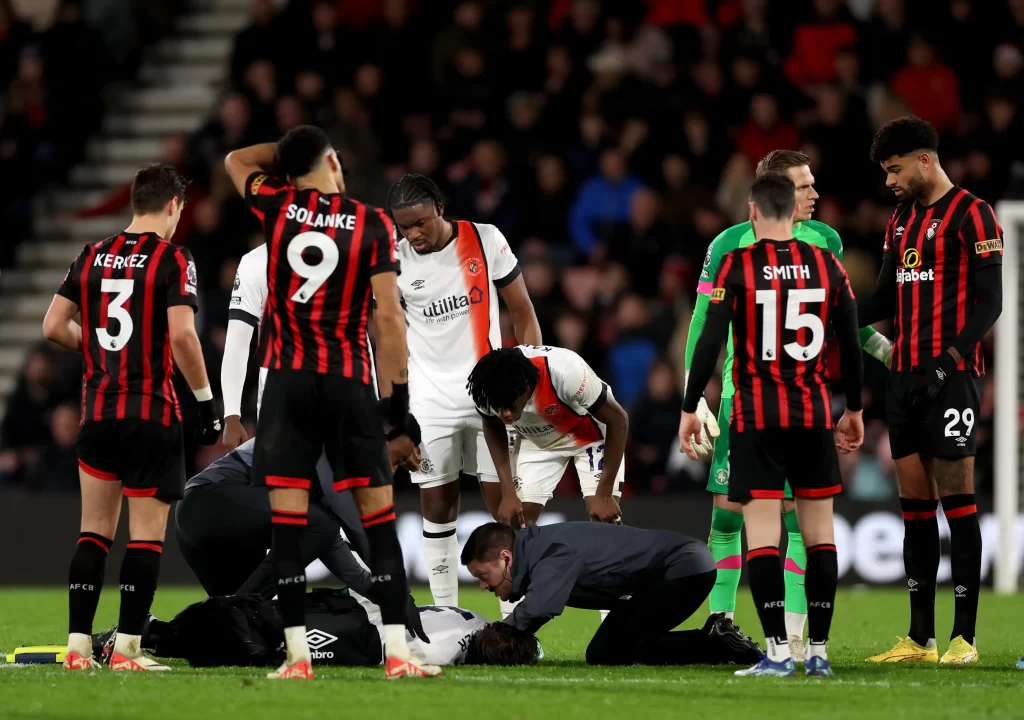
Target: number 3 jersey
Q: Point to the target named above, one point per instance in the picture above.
(559, 414)
(322, 250)
(779, 294)
(123, 286)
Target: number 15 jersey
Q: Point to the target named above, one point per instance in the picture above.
(322, 250)
(779, 295)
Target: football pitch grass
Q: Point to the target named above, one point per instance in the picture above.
(561, 686)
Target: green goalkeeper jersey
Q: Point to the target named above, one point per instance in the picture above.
(811, 232)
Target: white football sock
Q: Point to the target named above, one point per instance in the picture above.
(507, 607)
(130, 646)
(80, 643)
(777, 651)
(440, 553)
(604, 614)
(817, 650)
(395, 644)
(729, 615)
(296, 645)
(795, 624)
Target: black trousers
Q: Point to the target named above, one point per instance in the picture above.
(638, 630)
(224, 534)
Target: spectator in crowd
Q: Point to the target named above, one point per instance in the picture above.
(602, 207)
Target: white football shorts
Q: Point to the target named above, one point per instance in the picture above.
(450, 447)
(537, 471)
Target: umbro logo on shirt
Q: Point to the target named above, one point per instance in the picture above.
(417, 284)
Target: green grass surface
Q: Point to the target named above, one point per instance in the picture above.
(560, 687)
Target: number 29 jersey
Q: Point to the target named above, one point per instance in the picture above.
(123, 286)
(322, 250)
(779, 295)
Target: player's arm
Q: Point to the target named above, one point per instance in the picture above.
(880, 304)
(242, 163)
(873, 342)
(843, 315)
(616, 423)
(984, 241)
(551, 582)
(393, 355)
(520, 307)
(511, 509)
(182, 305)
(704, 286)
(59, 325)
(244, 312)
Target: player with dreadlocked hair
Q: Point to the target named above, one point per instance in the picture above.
(452, 274)
(502, 379)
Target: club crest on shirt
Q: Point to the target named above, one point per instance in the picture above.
(930, 233)
(472, 266)
(551, 409)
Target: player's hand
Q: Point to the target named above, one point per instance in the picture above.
(399, 450)
(210, 423)
(850, 431)
(605, 509)
(234, 433)
(710, 430)
(929, 378)
(413, 621)
(412, 463)
(690, 434)
(510, 512)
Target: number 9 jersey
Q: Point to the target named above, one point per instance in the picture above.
(322, 250)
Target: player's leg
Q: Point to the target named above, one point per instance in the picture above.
(101, 509)
(812, 465)
(794, 569)
(951, 426)
(359, 458)
(726, 540)
(293, 425)
(757, 481)
(438, 480)
(919, 502)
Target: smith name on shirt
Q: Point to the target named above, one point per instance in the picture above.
(336, 220)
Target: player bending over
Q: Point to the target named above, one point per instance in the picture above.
(941, 285)
(452, 275)
(326, 254)
(727, 516)
(652, 580)
(562, 413)
(782, 417)
(136, 293)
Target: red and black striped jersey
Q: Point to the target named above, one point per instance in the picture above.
(779, 295)
(936, 251)
(123, 286)
(322, 250)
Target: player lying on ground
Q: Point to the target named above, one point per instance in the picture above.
(452, 275)
(326, 255)
(941, 285)
(224, 526)
(652, 580)
(726, 516)
(782, 417)
(136, 293)
(246, 630)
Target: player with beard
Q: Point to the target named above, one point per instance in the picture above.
(941, 286)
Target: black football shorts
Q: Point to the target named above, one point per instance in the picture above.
(762, 461)
(945, 428)
(146, 456)
(305, 413)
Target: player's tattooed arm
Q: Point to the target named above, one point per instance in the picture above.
(242, 163)
(520, 307)
(60, 326)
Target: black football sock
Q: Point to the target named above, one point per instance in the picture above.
(965, 561)
(921, 561)
(139, 572)
(289, 570)
(822, 576)
(85, 581)
(768, 587)
(386, 565)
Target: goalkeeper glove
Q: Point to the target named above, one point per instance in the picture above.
(706, 447)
